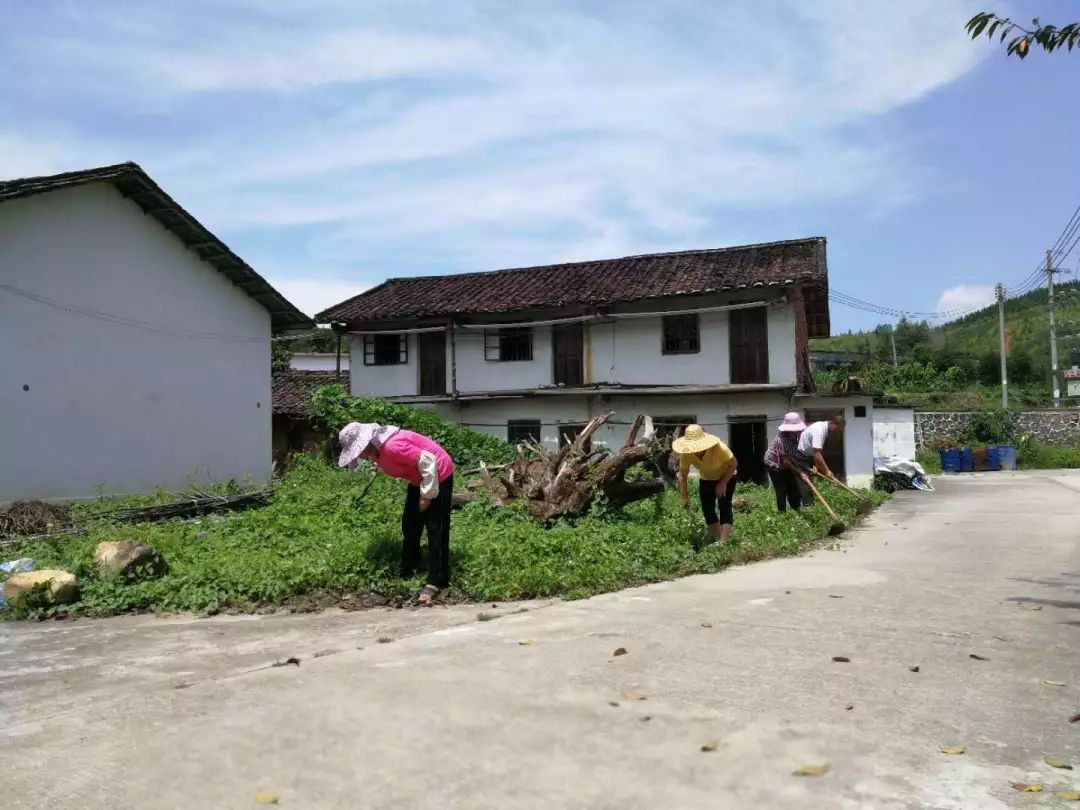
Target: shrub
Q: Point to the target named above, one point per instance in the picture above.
(990, 427)
(333, 408)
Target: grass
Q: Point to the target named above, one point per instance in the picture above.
(312, 539)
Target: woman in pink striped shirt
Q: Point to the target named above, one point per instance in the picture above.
(430, 473)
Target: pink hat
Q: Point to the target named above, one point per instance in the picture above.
(792, 423)
(356, 436)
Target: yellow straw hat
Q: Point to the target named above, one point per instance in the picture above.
(694, 440)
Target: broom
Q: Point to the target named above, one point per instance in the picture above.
(837, 526)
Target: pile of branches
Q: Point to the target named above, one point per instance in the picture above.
(566, 483)
(33, 517)
(196, 505)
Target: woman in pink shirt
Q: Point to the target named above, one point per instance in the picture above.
(430, 473)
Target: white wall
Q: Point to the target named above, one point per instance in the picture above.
(627, 352)
(858, 434)
(894, 432)
(400, 380)
(474, 373)
(319, 361)
(108, 405)
(711, 410)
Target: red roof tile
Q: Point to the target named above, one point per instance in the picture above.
(292, 390)
(633, 278)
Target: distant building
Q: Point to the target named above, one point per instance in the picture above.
(828, 360)
(135, 346)
(718, 337)
(319, 361)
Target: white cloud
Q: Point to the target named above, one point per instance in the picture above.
(520, 134)
(314, 295)
(965, 297)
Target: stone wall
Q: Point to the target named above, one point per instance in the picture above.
(1053, 427)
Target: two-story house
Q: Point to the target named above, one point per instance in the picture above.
(717, 337)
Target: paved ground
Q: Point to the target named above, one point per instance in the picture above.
(158, 713)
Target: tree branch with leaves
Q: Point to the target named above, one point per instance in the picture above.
(1048, 37)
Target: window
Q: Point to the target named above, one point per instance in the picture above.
(508, 345)
(860, 410)
(567, 434)
(668, 426)
(386, 350)
(681, 334)
(520, 430)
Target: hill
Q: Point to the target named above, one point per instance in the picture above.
(970, 346)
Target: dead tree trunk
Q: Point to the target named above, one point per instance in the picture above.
(566, 483)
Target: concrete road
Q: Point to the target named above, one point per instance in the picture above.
(532, 709)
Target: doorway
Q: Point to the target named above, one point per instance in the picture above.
(567, 343)
(833, 452)
(748, 443)
(433, 363)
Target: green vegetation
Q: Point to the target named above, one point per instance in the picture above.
(333, 408)
(313, 542)
(956, 366)
(1032, 454)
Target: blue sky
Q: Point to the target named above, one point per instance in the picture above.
(334, 143)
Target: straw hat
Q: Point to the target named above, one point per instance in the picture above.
(793, 423)
(694, 440)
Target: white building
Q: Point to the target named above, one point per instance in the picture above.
(134, 345)
(318, 361)
(717, 337)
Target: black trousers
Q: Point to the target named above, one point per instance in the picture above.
(437, 521)
(717, 510)
(787, 487)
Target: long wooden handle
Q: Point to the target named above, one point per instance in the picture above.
(839, 484)
(825, 503)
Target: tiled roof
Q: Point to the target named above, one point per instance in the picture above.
(135, 184)
(292, 389)
(633, 278)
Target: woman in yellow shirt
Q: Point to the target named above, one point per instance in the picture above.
(716, 465)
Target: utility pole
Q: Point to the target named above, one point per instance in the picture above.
(1053, 329)
(892, 337)
(1000, 291)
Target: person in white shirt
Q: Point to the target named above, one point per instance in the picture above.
(811, 443)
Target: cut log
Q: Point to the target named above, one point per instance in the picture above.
(567, 483)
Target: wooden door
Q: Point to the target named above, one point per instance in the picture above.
(432, 363)
(567, 348)
(749, 341)
(833, 452)
(748, 443)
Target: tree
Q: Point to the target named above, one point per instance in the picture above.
(1048, 37)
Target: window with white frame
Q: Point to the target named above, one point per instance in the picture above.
(510, 345)
(391, 349)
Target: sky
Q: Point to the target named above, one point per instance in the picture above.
(337, 143)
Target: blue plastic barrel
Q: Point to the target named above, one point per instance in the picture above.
(967, 460)
(993, 459)
(950, 460)
(1007, 457)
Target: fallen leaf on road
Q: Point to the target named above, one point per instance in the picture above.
(613, 703)
(1054, 683)
(841, 659)
(835, 596)
(1025, 787)
(913, 669)
(709, 746)
(525, 643)
(978, 657)
(1068, 795)
(294, 662)
(1058, 762)
(1026, 606)
(620, 651)
(810, 770)
(952, 749)
(266, 798)
(633, 696)
(1075, 718)
(706, 624)
(849, 707)
(384, 639)
(646, 718)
